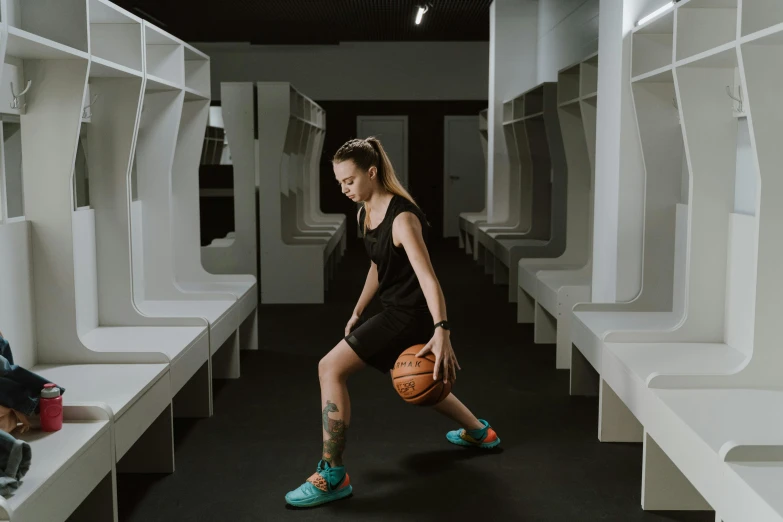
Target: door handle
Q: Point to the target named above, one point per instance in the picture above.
(454, 177)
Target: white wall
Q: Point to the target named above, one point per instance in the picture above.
(513, 69)
(567, 32)
(359, 70)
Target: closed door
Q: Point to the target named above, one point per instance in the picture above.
(392, 131)
(464, 171)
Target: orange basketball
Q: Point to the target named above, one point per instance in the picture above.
(412, 378)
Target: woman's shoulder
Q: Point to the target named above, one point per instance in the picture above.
(409, 217)
(406, 205)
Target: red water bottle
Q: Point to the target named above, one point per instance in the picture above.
(51, 404)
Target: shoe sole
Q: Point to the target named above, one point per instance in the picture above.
(483, 445)
(322, 499)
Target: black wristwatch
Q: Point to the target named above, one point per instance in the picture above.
(442, 324)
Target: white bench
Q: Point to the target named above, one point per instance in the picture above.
(557, 294)
(72, 471)
(711, 446)
(467, 225)
(134, 398)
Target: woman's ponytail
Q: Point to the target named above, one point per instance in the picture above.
(368, 153)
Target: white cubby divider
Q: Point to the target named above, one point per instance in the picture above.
(758, 15)
(312, 183)
(568, 84)
(165, 56)
(296, 256)
(520, 178)
(537, 156)
(574, 121)
(521, 181)
(189, 271)
(660, 304)
(156, 288)
(588, 77)
(62, 22)
(653, 45)
(238, 254)
(703, 25)
(197, 71)
(547, 289)
(115, 36)
(468, 221)
(710, 136)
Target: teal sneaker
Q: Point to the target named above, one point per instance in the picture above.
(462, 438)
(325, 485)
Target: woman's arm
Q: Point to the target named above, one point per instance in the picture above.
(370, 287)
(406, 231)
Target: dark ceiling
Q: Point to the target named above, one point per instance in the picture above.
(315, 21)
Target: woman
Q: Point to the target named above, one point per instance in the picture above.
(414, 312)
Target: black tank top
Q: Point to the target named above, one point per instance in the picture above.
(399, 287)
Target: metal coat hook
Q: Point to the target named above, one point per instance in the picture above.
(15, 101)
(738, 100)
(84, 111)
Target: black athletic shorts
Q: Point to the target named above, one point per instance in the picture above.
(379, 340)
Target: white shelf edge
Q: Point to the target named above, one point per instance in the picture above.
(590, 96)
(173, 40)
(706, 54)
(650, 74)
(684, 3)
(202, 56)
(658, 17)
(536, 115)
(758, 35)
(133, 18)
(195, 94)
(513, 120)
(589, 57)
(116, 66)
(161, 82)
(40, 40)
(569, 102)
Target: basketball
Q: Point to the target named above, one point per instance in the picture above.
(412, 378)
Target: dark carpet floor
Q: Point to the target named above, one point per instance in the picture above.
(264, 438)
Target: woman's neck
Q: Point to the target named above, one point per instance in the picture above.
(379, 199)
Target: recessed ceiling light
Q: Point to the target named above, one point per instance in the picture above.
(422, 9)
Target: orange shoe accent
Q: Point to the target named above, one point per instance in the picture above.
(491, 436)
(346, 482)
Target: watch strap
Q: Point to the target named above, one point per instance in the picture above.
(442, 324)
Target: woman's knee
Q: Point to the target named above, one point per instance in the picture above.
(331, 369)
(339, 363)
